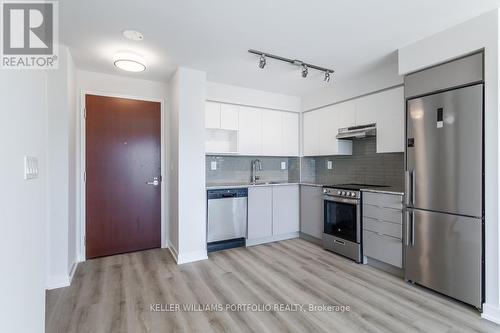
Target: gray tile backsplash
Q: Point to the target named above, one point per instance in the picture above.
(233, 169)
(364, 166)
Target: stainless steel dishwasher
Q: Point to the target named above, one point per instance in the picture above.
(226, 218)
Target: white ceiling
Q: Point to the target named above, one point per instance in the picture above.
(214, 35)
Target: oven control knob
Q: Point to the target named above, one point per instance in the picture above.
(353, 194)
(339, 192)
(343, 193)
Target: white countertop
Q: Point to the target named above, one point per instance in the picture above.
(219, 186)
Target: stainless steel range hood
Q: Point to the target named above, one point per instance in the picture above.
(357, 132)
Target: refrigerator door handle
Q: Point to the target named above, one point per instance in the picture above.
(408, 189)
(410, 228)
(410, 186)
(407, 228)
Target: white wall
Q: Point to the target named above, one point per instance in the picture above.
(23, 212)
(244, 96)
(383, 77)
(478, 33)
(61, 158)
(93, 82)
(187, 97)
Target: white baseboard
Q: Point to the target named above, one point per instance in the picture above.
(55, 282)
(491, 313)
(72, 271)
(185, 258)
(173, 251)
(61, 281)
(257, 241)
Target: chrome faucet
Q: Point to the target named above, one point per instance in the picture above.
(256, 165)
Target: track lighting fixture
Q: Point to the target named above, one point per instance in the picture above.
(327, 76)
(304, 66)
(305, 70)
(262, 61)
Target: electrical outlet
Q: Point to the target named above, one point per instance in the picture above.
(329, 165)
(213, 165)
(283, 165)
(30, 167)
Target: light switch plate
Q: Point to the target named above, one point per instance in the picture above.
(213, 165)
(283, 165)
(329, 165)
(30, 167)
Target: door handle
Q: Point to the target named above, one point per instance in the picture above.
(410, 228)
(339, 242)
(155, 182)
(410, 186)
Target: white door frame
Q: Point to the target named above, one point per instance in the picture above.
(82, 202)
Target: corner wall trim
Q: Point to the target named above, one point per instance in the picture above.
(491, 313)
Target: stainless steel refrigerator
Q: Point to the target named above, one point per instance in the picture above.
(444, 192)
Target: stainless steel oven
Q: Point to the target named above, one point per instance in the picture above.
(342, 222)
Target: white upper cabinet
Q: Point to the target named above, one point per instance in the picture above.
(272, 133)
(321, 127)
(212, 115)
(366, 112)
(233, 129)
(311, 121)
(290, 135)
(385, 109)
(390, 106)
(229, 117)
(250, 131)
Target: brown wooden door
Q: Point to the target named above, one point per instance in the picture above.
(123, 213)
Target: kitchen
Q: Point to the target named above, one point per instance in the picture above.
(356, 189)
(253, 166)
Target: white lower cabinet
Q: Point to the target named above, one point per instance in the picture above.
(285, 209)
(383, 227)
(273, 213)
(311, 211)
(260, 212)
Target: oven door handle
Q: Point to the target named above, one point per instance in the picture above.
(342, 200)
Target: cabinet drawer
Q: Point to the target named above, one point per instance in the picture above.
(383, 200)
(384, 248)
(383, 214)
(382, 227)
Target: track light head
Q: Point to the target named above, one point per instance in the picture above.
(327, 76)
(305, 71)
(262, 61)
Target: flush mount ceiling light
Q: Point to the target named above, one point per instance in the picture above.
(133, 35)
(304, 66)
(129, 62)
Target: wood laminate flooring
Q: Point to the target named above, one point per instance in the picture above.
(114, 294)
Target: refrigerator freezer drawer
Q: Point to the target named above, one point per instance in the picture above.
(444, 254)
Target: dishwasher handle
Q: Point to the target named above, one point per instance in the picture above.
(227, 193)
